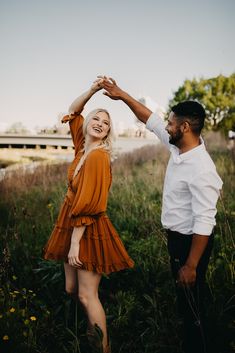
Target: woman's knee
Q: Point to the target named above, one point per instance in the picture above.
(86, 297)
(83, 299)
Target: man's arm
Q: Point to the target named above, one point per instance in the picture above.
(155, 124)
(116, 93)
(187, 273)
(205, 192)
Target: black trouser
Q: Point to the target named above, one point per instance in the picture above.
(190, 300)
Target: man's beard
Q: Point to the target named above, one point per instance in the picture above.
(175, 139)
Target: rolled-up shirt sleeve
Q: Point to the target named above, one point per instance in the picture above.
(158, 126)
(205, 189)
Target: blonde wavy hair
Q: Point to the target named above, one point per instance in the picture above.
(108, 140)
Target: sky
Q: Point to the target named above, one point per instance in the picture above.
(52, 51)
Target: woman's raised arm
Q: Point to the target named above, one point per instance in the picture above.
(79, 103)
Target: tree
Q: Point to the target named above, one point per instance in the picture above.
(217, 95)
(17, 128)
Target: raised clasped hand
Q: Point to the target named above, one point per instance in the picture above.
(110, 87)
(97, 84)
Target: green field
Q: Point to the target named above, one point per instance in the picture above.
(36, 315)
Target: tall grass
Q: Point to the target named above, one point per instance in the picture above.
(140, 303)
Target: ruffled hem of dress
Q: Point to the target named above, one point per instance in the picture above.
(51, 256)
(101, 249)
(109, 268)
(93, 267)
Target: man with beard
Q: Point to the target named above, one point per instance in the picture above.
(191, 190)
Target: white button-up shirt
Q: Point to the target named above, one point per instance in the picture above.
(191, 186)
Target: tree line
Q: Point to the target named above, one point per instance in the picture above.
(217, 95)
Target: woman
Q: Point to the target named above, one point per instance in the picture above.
(83, 235)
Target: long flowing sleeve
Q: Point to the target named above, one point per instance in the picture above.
(76, 125)
(93, 186)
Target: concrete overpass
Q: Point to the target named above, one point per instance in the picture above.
(121, 144)
(35, 141)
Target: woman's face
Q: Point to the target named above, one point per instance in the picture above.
(98, 126)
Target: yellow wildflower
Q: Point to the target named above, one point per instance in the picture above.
(14, 277)
(49, 205)
(12, 310)
(16, 292)
(5, 338)
(33, 318)
(26, 322)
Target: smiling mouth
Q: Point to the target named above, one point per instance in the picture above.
(97, 129)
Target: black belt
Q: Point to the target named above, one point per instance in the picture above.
(174, 232)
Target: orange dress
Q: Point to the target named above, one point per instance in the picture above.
(85, 203)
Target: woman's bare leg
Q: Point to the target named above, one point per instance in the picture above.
(88, 285)
(71, 281)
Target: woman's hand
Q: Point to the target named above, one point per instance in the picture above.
(97, 84)
(73, 255)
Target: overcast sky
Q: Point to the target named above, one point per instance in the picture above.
(52, 50)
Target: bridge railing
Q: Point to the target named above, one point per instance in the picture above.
(35, 141)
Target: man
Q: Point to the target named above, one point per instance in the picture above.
(191, 190)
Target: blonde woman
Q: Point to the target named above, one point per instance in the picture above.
(83, 235)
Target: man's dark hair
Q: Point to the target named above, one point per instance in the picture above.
(191, 111)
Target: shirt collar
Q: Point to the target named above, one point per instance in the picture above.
(179, 158)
